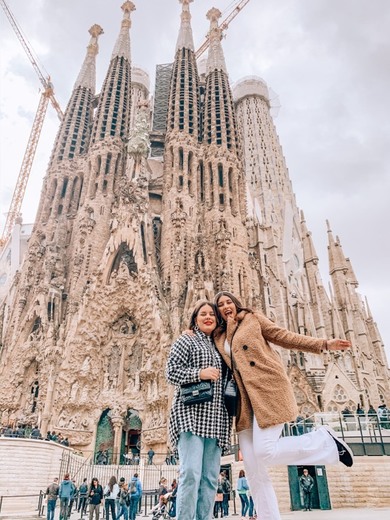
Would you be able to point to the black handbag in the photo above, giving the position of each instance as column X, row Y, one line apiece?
column 231, row 396
column 196, row 393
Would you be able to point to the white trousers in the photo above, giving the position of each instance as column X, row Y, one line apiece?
column 262, row 447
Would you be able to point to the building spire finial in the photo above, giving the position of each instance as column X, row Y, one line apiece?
column 87, row 75
column 216, row 59
column 185, row 39
column 122, row 45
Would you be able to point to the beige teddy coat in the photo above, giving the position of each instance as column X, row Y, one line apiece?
column 265, row 389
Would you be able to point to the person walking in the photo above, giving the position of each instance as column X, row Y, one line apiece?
column 95, row 496
column 83, row 495
column 65, row 493
column 267, row 398
column 218, row 504
column 226, row 489
column 135, row 491
column 52, row 495
column 242, row 490
column 199, row 433
column 306, row 483
column 150, row 456
column 124, row 499
column 111, row 491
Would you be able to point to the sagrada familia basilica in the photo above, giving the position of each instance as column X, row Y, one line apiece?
column 146, row 207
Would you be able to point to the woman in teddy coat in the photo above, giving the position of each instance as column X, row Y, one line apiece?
column 267, row 399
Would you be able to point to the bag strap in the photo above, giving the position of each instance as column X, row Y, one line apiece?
column 231, row 349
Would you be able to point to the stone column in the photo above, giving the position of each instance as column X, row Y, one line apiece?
column 117, row 422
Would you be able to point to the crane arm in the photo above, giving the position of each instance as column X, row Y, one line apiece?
column 223, row 25
column 46, row 83
column 24, row 173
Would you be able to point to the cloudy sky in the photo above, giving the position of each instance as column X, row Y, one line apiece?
column 327, row 60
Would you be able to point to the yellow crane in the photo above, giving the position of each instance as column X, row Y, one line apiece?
column 46, row 96
column 223, row 25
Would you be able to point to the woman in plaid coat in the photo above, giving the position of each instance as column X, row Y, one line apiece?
column 267, row 399
column 199, row 433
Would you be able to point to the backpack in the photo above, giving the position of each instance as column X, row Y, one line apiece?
column 133, row 487
column 226, row 486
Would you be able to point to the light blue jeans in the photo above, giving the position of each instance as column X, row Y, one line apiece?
column 200, row 459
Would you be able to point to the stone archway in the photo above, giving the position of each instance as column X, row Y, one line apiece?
column 131, row 437
column 104, row 445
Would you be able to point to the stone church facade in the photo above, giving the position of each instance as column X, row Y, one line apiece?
column 125, row 243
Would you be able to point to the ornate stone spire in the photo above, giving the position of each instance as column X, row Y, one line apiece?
column 337, row 261
column 74, row 134
column 185, row 39
column 87, row 75
column 113, row 111
column 216, row 59
column 122, row 45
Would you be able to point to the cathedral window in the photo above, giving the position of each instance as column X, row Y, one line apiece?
column 190, row 162
column 143, row 242
column 181, row 158
column 125, row 256
column 108, row 164
column 117, row 163
column 34, row 396
column 221, row 199
column 99, row 165
column 104, row 186
column 220, row 174
column 50, row 310
column 64, row 186
column 201, row 181
column 60, row 208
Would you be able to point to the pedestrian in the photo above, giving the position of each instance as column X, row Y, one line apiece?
column 218, row 503
column 135, row 491
column 252, row 511
column 83, row 495
column 200, row 433
column 73, row 497
column 226, row 489
column 267, row 398
column 124, row 499
column 65, row 493
column 95, row 496
column 52, row 495
column 242, row 490
column 110, row 494
column 150, row 456
column 172, row 509
column 306, row 482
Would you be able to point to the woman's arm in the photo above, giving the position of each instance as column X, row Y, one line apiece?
column 287, row 339
column 178, row 370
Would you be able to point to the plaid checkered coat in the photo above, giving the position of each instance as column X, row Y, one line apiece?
column 188, row 355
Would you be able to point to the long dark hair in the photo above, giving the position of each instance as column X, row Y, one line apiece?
column 112, row 483
column 237, row 303
column 196, row 311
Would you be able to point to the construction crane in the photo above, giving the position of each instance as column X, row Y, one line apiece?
column 223, row 25
column 46, row 96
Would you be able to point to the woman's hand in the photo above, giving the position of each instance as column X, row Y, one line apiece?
column 209, row 373
column 338, row 344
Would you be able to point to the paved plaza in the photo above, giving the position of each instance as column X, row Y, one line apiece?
column 333, row 514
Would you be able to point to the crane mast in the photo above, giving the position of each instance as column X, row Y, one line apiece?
column 46, row 96
column 223, row 25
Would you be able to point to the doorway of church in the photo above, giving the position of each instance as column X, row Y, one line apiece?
column 320, row 498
